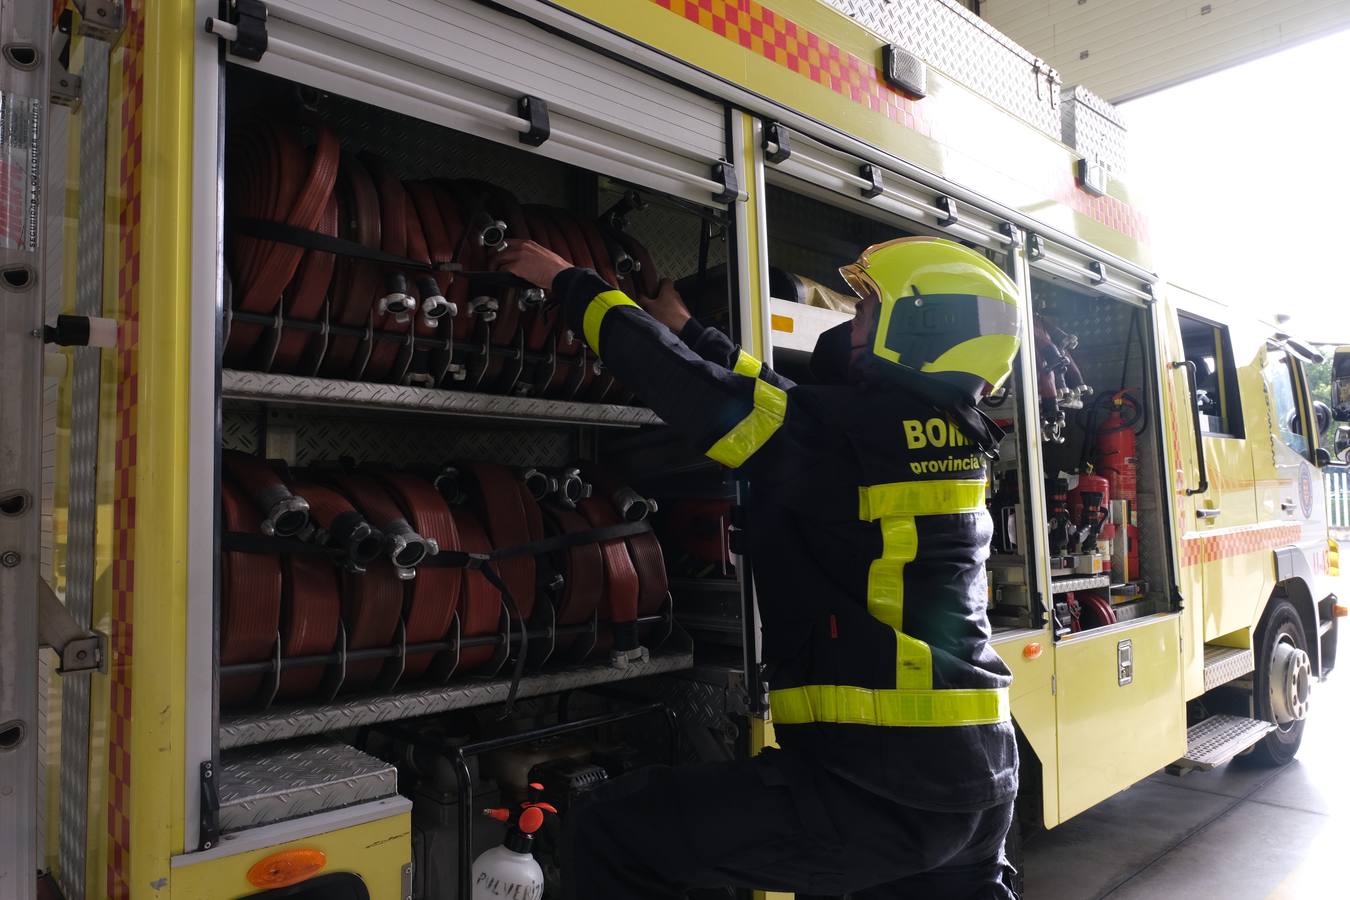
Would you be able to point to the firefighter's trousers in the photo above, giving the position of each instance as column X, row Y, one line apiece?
column 775, row 822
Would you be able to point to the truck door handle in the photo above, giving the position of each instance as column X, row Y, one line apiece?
column 1287, row 505
column 1208, row 514
column 1189, row 366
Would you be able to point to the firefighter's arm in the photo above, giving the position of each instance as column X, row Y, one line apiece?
column 711, row 344
column 729, row 415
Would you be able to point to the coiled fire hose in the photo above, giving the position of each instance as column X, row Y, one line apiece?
column 270, row 180
column 433, row 596
column 250, row 606
column 283, row 513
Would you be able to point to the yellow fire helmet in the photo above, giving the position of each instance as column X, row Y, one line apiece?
column 947, row 313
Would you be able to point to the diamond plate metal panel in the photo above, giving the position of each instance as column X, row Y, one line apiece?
column 953, row 39
column 296, row 390
column 262, row 785
column 283, row 724
column 1223, row 664
column 83, row 498
column 1065, row 585
column 1094, row 128
column 1218, row 739
column 325, row 437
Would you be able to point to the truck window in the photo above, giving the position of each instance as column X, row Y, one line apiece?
column 1280, row 382
column 1208, row 345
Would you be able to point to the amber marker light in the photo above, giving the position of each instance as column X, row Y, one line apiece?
column 287, row 867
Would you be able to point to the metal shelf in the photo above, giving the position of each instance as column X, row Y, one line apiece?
column 282, row 723
column 295, row 390
column 1082, row 583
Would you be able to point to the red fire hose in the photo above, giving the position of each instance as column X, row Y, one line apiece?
column 310, row 606
column 283, row 513
column 433, row 595
column 501, row 504
column 371, row 604
column 480, row 612
column 250, row 600
column 356, row 282
column 269, row 181
column 306, row 293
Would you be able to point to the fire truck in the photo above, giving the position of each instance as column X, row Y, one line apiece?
column 332, row 537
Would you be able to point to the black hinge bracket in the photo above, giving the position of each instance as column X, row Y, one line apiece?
column 245, row 28
column 781, row 138
column 1035, row 246
column 949, row 215
column 534, row 111
column 1098, row 272
column 869, row 172
column 724, row 173
column 1009, row 231
column 209, row 826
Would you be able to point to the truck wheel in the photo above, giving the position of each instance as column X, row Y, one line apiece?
column 1281, row 684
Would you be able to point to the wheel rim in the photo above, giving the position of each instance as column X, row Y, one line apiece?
column 1290, row 682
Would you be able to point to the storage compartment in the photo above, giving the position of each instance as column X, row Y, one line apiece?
column 1106, row 508
column 448, row 538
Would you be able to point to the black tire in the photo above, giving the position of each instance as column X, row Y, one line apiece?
column 1282, row 625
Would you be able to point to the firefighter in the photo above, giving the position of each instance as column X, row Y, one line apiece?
column 867, row 521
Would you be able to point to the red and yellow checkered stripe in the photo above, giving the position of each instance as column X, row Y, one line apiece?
column 128, row 212
column 1199, row 549
column 786, row 43
column 781, row 40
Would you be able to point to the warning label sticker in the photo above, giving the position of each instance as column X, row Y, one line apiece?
column 20, row 171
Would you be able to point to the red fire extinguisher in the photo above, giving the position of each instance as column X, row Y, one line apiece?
column 1117, row 460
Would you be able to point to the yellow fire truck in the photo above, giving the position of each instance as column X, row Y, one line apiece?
column 250, row 346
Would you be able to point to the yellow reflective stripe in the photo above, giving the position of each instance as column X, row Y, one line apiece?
column 896, row 505
column 595, row 313
column 921, row 498
column 886, row 600
column 752, row 432
column 847, row 705
column 747, row 365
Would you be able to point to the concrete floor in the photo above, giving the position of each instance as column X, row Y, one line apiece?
column 1235, row 833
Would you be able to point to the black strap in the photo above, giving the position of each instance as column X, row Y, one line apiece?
column 540, row 547
column 518, row 670
column 251, row 542
column 282, row 233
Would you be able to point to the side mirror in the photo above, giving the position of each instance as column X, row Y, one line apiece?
column 1340, row 384
column 1341, row 443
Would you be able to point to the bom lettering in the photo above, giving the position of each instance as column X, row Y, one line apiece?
column 933, row 433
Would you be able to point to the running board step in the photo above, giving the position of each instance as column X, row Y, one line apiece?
column 1223, row 664
column 1216, row 740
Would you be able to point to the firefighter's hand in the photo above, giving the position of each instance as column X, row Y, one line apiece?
column 666, row 307
column 526, row 259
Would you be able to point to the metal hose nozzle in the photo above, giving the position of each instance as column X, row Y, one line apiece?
column 287, row 517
